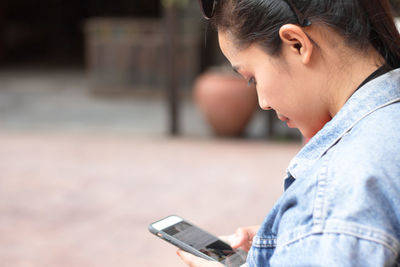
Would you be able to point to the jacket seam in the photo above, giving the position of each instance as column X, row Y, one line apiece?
column 319, row 210
column 385, row 239
column 265, row 242
column 393, row 101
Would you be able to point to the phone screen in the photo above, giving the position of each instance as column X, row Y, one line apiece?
column 203, row 242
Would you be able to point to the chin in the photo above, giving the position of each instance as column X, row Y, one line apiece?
column 308, row 133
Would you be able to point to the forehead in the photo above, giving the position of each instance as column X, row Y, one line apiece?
column 239, row 57
column 227, row 44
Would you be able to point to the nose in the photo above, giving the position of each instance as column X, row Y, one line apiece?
column 264, row 104
column 264, row 107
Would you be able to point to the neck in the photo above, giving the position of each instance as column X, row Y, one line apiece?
column 350, row 75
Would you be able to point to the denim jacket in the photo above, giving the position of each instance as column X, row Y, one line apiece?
column 344, row 207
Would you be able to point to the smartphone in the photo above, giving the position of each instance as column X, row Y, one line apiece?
column 192, row 239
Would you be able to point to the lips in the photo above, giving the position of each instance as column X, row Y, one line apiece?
column 286, row 119
column 282, row 118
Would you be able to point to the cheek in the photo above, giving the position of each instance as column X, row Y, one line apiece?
column 301, row 114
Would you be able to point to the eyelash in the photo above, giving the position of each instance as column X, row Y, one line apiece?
column 251, row 81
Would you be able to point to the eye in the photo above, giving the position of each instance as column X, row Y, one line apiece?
column 252, row 81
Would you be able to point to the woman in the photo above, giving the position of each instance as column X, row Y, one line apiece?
column 331, row 69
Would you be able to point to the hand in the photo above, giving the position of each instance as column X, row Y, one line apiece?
column 194, row 261
column 243, row 238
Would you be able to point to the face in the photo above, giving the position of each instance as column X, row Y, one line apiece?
column 283, row 84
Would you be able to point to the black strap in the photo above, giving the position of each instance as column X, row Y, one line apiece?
column 380, row 71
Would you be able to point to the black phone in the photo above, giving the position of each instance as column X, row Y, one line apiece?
column 192, row 239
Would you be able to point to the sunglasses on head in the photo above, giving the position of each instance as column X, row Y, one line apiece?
column 208, row 8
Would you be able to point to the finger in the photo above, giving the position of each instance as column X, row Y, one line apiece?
column 190, row 259
column 227, row 238
column 241, row 238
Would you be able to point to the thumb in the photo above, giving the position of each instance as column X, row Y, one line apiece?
column 194, row 261
column 189, row 259
column 241, row 238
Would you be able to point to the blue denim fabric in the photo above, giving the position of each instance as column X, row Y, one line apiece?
column 344, row 207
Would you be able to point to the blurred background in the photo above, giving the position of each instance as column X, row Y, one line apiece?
column 114, row 114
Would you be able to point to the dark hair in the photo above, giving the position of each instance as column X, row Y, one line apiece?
column 360, row 22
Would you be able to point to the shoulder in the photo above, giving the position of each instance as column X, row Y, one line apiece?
column 363, row 175
column 369, row 151
column 375, row 139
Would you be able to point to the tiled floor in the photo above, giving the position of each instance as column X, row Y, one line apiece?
column 81, row 178
column 82, row 200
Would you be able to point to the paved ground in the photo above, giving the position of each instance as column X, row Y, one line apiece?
column 81, row 200
column 79, row 182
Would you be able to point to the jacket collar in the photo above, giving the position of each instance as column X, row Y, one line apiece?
column 374, row 95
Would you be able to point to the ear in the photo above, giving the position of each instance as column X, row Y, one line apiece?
column 297, row 41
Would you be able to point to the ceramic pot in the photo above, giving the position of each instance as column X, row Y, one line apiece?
column 226, row 101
